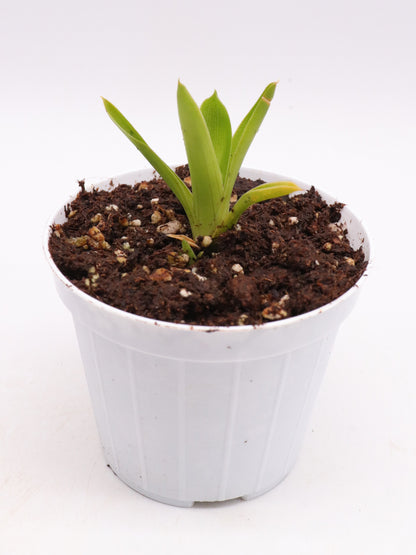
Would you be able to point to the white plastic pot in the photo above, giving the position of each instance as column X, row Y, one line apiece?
column 193, row 413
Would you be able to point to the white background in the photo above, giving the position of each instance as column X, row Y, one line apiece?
column 343, row 118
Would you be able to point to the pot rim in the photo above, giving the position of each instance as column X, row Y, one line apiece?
column 247, row 172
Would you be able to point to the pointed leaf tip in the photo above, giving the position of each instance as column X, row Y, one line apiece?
column 245, row 133
column 219, row 126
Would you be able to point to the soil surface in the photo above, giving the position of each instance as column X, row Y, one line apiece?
column 285, row 257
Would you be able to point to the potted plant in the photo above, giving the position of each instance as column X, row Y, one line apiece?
column 189, row 406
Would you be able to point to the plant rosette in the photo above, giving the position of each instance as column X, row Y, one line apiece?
column 194, row 413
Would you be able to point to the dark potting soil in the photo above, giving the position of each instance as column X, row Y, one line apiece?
column 285, row 257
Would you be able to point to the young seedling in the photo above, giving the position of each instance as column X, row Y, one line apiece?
column 214, row 157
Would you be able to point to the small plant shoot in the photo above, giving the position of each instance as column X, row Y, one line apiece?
column 215, row 156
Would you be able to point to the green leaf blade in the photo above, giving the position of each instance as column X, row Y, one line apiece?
column 206, row 178
column 178, row 187
column 187, row 249
column 263, row 192
column 245, row 133
column 219, row 126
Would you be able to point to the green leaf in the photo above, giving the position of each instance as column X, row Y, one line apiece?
column 207, row 188
column 178, row 187
column 187, row 249
column 245, row 134
column 263, row 192
column 219, row 126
